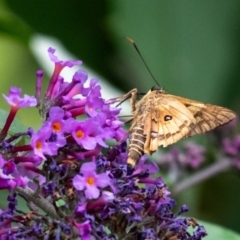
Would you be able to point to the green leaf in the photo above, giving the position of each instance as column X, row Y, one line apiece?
column 60, row 203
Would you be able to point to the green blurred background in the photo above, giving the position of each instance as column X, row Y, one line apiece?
column 191, row 46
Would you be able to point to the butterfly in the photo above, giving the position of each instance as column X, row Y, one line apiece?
column 161, row 119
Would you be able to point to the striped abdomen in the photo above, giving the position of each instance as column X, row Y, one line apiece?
column 136, row 145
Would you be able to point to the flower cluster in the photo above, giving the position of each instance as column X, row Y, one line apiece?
column 75, row 183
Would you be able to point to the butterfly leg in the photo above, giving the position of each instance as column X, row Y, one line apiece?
column 131, row 94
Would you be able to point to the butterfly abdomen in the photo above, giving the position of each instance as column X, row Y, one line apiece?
column 136, row 145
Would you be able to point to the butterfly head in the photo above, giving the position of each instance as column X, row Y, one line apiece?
column 158, row 89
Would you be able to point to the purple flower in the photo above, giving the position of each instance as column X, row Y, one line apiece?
column 90, row 181
column 101, row 202
column 94, row 102
column 192, row 155
column 9, row 182
column 55, row 80
column 9, row 167
column 88, row 133
column 40, row 144
column 55, row 59
column 199, row 233
column 79, row 79
column 30, row 171
column 56, row 115
column 150, row 167
column 84, row 230
column 16, row 101
column 148, row 233
column 232, row 147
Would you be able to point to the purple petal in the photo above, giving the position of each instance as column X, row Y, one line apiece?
column 92, row 192
column 79, row 182
column 88, row 167
column 102, row 180
column 89, row 143
column 56, row 113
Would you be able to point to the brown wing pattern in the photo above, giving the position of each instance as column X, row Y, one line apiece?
column 207, row 116
column 173, row 118
column 210, row 117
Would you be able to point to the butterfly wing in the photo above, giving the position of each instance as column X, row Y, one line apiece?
column 172, row 118
column 207, row 116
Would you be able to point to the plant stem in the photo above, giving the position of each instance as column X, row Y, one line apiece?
column 220, row 166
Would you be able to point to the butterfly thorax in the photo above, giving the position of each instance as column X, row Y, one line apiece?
column 145, row 106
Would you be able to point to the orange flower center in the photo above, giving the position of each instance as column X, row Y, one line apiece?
column 38, row 145
column 56, row 127
column 79, row 134
column 90, row 180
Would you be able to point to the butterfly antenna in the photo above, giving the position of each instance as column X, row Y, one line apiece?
column 139, row 53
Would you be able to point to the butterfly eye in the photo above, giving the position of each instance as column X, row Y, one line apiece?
column 167, row 118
